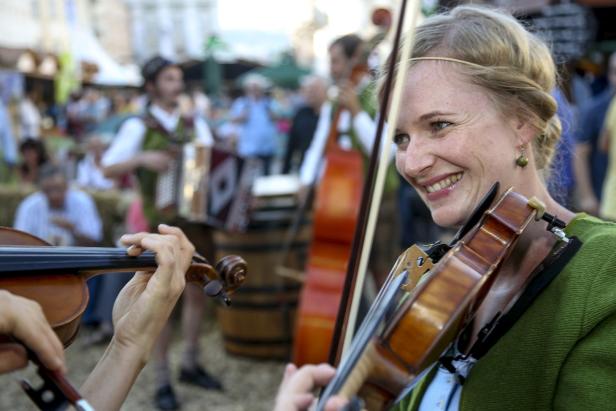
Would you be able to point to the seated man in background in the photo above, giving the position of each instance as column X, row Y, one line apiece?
column 58, row 214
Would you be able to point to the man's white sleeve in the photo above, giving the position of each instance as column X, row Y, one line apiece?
column 126, row 144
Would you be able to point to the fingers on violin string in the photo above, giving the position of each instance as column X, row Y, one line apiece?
column 169, row 273
column 166, row 248
column 134, row 250
column 176, row 231
column 12, row 357
column 310, row 376
column 134, row 238
column 322, row 374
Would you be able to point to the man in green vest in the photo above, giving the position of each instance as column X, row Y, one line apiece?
column 145, row 146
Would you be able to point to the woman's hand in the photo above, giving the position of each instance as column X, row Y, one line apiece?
column 23, row 319
column 295, row 392
column 145, row 303
column 139, row 314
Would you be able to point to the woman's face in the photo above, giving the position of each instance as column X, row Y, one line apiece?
column 452, row 143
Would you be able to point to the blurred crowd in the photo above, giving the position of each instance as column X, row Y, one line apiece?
column 257, row 119
column 53, row 155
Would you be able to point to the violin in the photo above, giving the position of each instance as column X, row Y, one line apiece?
column 405, row 333
column 55, row 277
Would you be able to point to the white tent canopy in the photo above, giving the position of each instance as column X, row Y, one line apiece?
column 261, row 46
column 85, row 47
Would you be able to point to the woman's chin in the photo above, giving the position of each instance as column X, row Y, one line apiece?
column 447, row 218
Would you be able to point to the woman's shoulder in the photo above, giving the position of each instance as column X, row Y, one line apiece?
column 595, row 234
column 593, row 269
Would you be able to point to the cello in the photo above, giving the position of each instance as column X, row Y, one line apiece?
column 55, row 277
column 336, row 212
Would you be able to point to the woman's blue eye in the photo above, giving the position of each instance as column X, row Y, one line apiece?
column 401, row 139
column 439, row 125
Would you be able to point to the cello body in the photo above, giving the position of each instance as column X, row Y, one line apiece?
column 336, row 210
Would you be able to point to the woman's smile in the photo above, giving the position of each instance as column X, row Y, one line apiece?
column 441, row 187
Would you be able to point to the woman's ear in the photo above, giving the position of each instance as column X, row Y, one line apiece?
column 525, row 131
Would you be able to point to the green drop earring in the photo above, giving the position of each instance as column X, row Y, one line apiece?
column 522, row 160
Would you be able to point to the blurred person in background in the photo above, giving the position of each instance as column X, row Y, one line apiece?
column 356, row 129
column 590, row 163
column 203, row 106
column 58, row 214
column 607, row 144
column 90, row 170
column 8, row 149
column 304, row 122
column 145, row 146
column 254, row 113
column 560, row 182
column 29, row 115
column 33, row 157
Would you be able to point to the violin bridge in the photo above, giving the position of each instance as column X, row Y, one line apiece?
column 416, row 262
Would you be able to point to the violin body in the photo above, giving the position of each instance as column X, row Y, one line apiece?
column 336, row 209
column 432, row 316
column 55, row 277
column 63, row 297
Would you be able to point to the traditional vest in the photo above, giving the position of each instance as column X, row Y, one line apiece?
column 158, row 138
column 367, row 101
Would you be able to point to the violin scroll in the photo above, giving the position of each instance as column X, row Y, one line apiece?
column 232, row 270
column 228, row 275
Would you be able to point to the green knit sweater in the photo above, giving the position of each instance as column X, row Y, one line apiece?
column 561, row 354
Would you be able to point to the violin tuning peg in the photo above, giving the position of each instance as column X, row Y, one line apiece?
column 225, row 299
column 214, row 288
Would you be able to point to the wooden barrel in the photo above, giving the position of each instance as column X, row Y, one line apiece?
column 260, row 321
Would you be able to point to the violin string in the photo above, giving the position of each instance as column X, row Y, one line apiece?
column 25, row 251
column 31, row 258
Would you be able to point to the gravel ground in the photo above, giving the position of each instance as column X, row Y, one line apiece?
column 249, row 384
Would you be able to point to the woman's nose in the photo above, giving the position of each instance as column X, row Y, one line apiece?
column 416, row 159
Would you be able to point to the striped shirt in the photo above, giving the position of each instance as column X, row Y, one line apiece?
column 34, row 216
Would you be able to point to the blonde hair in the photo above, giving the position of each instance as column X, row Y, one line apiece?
column 512, row 64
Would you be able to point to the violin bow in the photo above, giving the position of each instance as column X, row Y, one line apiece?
column 56, row 392
column 373, row 189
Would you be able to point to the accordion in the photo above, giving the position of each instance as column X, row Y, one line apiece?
column 210, row 186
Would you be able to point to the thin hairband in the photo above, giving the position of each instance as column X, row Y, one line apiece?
column 468, row 63
column 448, row 59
